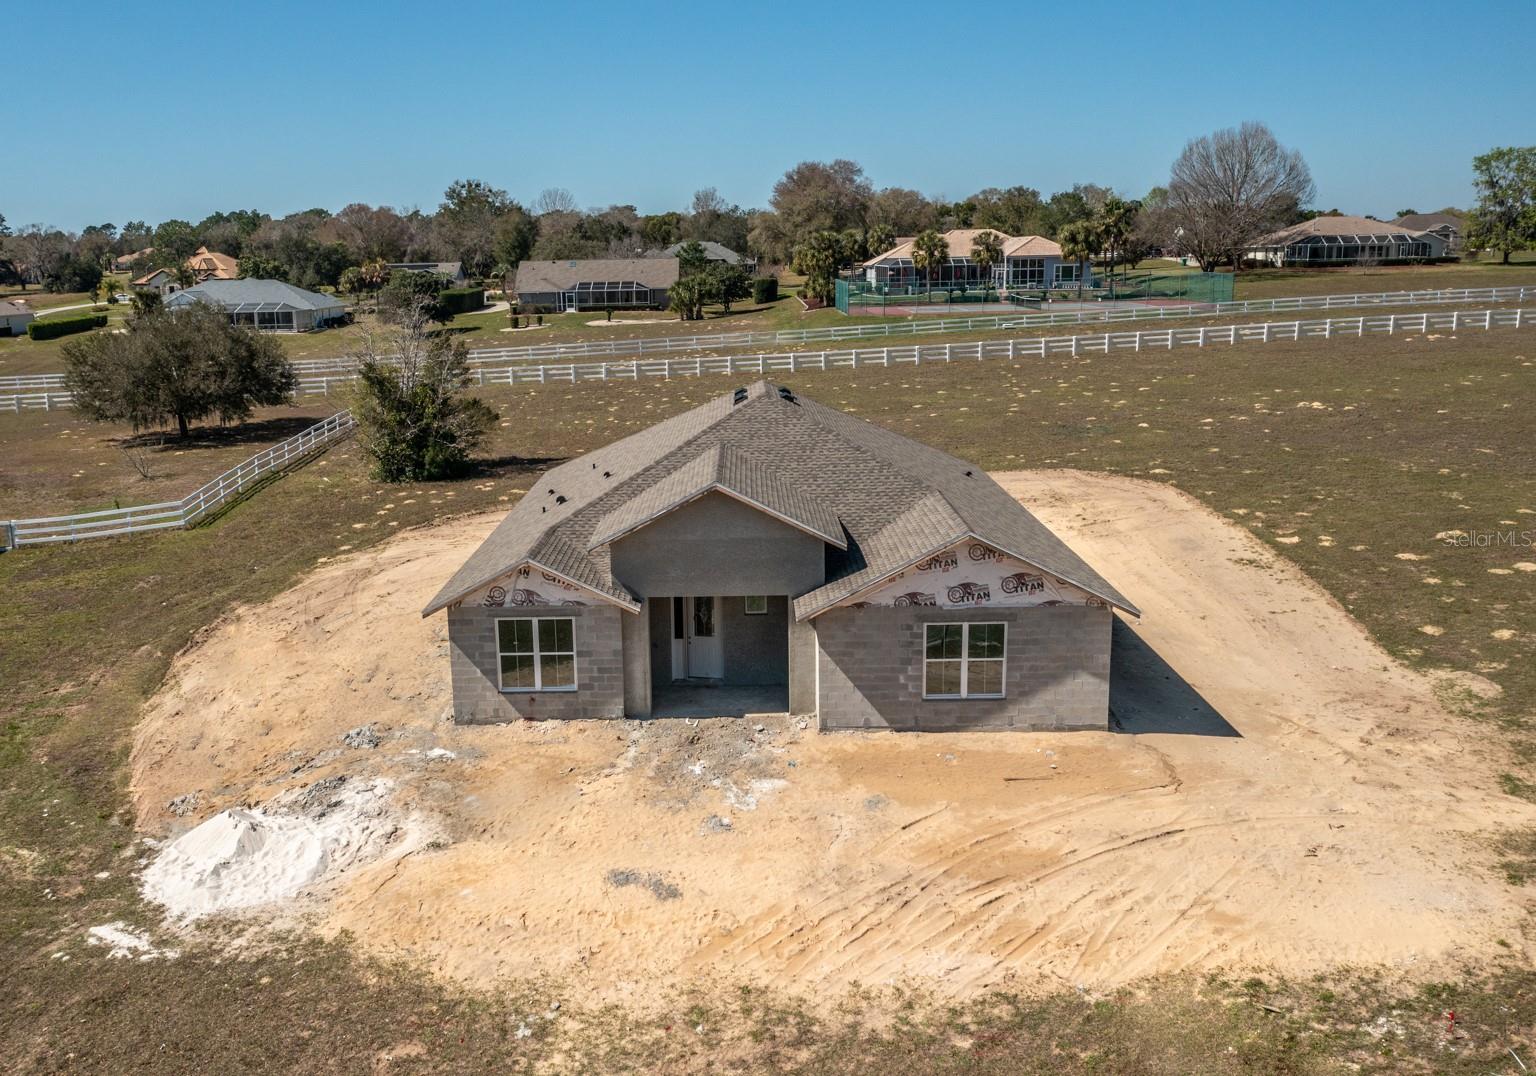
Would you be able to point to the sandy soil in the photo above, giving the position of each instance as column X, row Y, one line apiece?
column 631, row 321
column 1279, row 794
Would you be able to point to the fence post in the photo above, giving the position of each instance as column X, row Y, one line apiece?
column 1455, row 319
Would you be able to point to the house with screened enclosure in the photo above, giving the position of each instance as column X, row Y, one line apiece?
column 763, row 553
column 1023, row 263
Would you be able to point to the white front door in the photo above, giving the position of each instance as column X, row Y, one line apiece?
column 702, row 633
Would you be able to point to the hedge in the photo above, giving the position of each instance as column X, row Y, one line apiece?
column 765, row 289
column 79, row 323
column 461, row 300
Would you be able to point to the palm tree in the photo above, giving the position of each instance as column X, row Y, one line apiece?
column 880, row 238
column 1078, row 241
column 1116, row 221
column 986, row 251
column 929, row 251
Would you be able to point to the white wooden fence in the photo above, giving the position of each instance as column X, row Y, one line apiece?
column 1015, row 348
column 44, row 391
column 191, row 508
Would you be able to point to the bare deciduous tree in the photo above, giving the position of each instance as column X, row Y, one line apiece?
column 554, row 200
column 1231, row 187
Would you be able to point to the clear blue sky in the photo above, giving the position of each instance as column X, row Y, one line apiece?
column 178, row 109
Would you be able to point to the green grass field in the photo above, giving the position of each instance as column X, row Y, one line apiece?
column 1344, row 455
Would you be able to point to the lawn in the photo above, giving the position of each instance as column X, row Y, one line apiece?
column 56, row 462
column 1350, row 457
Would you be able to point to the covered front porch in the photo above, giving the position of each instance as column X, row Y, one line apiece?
column 704, row 698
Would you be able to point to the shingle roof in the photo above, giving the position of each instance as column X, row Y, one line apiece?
column 723, row 469
column 892, row 499
column 961, row 241
column 1426, row 221
column 1331, row 226
column 449, row 269
column 536, row 277
column 717, row 252
column 11, row 310
column 273, row 294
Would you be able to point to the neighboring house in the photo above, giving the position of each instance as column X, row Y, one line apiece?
column 1029, row 263
column 454, row 271
column 127, row 261
column 14, row 318
column 713, row 251
column 1345, row 241
column 161, row 280
column 268, row 305
column 211, row 265
column 765, row 553
column 595, row 283
column 204, row 264
column 1452, row 227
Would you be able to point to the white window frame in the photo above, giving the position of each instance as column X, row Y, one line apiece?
column 965, row 660
column 746, row 605
column 537, row 653
column 1067, row 272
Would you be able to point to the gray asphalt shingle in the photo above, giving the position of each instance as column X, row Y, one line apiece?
column 897, row 499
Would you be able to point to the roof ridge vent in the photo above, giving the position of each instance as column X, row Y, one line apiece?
column 786, row 395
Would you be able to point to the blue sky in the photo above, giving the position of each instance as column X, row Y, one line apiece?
column 204, row 106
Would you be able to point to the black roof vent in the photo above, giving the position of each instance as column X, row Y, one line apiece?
column 970, row 474
column 607, row 474
column 740, row 397
column 560, row 499
column 786, row 395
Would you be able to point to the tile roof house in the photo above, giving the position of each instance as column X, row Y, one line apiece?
column 205, row 265
column 266, row 305
column 595, row 283
column 764, row 552
column 123, row 262
column 1342, row 240
column 1029, row 262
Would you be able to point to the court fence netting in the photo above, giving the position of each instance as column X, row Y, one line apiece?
column 855, row 295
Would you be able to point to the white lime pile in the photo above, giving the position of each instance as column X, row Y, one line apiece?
column 246, row 858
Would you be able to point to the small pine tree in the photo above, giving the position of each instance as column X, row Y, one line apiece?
column 415, row 417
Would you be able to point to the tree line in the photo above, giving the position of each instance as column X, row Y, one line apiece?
column 1224, row 190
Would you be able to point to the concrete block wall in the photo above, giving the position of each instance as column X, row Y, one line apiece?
column 599, row 666
column 870, row 670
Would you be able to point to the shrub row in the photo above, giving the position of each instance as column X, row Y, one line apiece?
column 79, row 323
column 461, row 300
column 765, row 289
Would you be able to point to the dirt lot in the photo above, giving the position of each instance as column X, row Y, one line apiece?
column 1279, row 794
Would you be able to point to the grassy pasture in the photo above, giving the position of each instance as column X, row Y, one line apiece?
column 1345, row 455
column 56, row 462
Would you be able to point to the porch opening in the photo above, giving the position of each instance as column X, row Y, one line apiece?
column 719, row 655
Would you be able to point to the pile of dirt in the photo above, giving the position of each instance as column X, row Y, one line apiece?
column 1279, row 794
